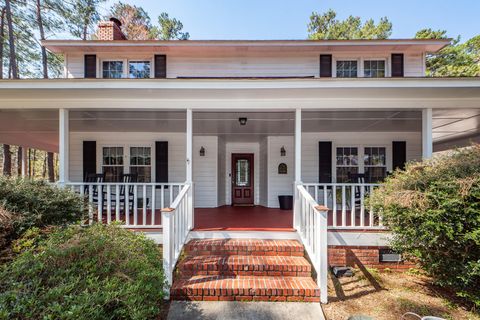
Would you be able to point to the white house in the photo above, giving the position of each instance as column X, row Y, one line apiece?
column 218, row 130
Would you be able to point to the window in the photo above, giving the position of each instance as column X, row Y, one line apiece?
column 375, row 164
column 243, row 173
column 112, row 163
column 347, row 69
column 346, row 163
column 374, row 68
column 141, row 163
column 112, row 69
column 139, row 69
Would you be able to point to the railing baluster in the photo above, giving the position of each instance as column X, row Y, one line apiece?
column 144, row 209
column 117, row 202
column 135, row 205
column 127, row 204
column 352, row 207
column 316, row 193
column 325, row 195
column 362, row 206
column 334, row 205
column 90, row 204
column 344, row 207
column 109, row 204
column 153, row 205
column 162, row 197
column 370, row 189
column 100, row 203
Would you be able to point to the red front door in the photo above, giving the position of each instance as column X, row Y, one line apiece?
column 242, row 178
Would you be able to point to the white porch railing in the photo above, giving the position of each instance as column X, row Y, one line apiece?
column 136, row 205
column 311, row 224
column 177, row 222
column 347, row 203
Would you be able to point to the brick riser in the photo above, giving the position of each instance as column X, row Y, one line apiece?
column 287, row 266
column 244, row 270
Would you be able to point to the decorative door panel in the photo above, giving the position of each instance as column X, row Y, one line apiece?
column 242, row 179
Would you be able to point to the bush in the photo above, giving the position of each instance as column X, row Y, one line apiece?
column 433, row 210
column 37, row 203
column 97, row 272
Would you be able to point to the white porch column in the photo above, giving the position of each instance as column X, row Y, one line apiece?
column 189, row 173
column 24, row 162
column 427, row 134
column 63, row 146
column 298, row 165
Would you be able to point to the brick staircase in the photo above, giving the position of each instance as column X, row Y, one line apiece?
column 244, row 270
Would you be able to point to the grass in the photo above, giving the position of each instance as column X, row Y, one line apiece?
column 388, row 295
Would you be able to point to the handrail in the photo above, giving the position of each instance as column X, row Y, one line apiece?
column 177, row 221
column 311, row 224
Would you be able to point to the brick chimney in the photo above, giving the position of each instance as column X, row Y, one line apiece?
column 110, row 30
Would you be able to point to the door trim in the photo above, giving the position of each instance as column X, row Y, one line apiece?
column 252, row 177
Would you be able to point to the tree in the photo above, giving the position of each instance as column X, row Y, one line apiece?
column 81, row 16
column 2, row 38
column 457, row 60
column 7, row 160
column 326, row 26
column 11, row 41
column 135, row 21
column 170, row 28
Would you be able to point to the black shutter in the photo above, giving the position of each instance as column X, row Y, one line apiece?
column 325, row 65
column 161, row 161
column 160, row 66
column 90, row 64
column 89, row 158
column 399, row 154
column 325, row 161
column 397, row 64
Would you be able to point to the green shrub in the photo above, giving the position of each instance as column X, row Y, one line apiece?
column 38, row 204
column 433, row 210
column 96, row 272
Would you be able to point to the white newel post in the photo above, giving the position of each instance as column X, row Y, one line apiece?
column 427, row 133
column 63, row 146
column 298, row 165
column 167, row 226
column 189, row 173
column 322, row 277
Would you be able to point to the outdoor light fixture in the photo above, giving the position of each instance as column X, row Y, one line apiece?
column 283, row 152
column 243, row 121
column 202, row 152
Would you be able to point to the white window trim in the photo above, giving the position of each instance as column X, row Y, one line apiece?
column 361, row 153
column 126, row 156
column 360, row 61
column 382, row 58
column 125, row 71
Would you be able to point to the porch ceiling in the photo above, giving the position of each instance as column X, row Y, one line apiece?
column 39, row 128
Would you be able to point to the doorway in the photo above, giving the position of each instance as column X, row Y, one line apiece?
column 242, row 179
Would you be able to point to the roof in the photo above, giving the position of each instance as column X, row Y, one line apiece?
column 426, row 45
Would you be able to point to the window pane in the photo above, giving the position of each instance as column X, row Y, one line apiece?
column 112, row 69
column 243, row 173
column 344, row 172
column 113, row 173
column 139, row 69
column 143, row 173
column 374, row 68
column 347, row 69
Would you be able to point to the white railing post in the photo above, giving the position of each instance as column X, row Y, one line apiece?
column 168, row 250
column 298, row 166
column 427, row 133
column 63, row 146
column 322, row 245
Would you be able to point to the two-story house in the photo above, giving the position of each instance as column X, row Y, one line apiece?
column 216, row 131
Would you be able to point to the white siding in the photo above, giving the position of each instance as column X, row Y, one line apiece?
column 264, row 172
column 222, row 172
column 205, row 171
column 280, row 184
column 414, row 65
column 310, row 147
column 243, row 148
column 75, row 65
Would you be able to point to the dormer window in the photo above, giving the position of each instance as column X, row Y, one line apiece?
column 374, row 68
column 112, row 69
column 139, row 69
column 347, row 69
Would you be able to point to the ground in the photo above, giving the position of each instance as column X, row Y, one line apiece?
column 388, row 295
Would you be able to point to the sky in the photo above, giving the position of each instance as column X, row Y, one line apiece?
column 288, row 19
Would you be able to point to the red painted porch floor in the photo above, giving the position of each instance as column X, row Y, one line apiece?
column 231, row 218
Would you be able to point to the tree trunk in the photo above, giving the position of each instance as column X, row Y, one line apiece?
column 34, row 162
column 11, row 40
column 2, row 40
column 29, row 162
column 7, row 160
column 44, row 171
column 51, row 167
column 42, row 37
column 19, row 161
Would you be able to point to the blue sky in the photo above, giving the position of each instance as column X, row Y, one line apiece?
column 287, row 19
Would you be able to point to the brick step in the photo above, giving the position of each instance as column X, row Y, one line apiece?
column 245, row 266
column 245, row 288
column 244, row 247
